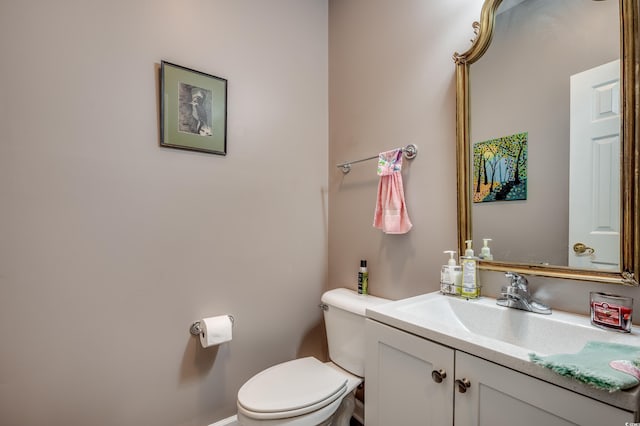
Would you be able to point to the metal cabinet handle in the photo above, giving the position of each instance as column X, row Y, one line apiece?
column 463, row 384
column 438, row 375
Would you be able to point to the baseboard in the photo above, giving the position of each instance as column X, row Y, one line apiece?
column 229, row 421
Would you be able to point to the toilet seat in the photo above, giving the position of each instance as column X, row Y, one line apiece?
column 290, row 389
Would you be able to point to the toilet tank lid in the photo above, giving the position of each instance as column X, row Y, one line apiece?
column 351, row 301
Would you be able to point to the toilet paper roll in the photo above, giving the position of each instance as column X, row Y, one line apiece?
column 215, row 330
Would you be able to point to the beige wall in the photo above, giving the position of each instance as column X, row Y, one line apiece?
column 392, row 82
column 110, row 246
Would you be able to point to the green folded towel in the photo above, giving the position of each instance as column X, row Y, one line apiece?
column 603, row 365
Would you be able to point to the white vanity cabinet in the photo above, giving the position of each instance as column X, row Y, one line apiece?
column 402, row 373
column 399, row 388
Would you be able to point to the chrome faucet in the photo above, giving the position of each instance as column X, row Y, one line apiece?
column 516, row 295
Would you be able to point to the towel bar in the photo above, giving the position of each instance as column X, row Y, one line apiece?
column 410, row 151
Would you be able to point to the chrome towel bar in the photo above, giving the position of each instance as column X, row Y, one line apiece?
column 410, row 151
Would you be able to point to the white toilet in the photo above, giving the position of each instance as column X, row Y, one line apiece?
column 306, row 391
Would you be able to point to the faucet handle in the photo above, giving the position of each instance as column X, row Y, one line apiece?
column 517, row 280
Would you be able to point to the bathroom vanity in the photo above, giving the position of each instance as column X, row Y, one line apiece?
column 438, row 360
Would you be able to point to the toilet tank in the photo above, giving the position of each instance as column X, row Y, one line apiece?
column 344, row 318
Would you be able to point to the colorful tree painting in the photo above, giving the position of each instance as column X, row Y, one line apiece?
column 500, row 169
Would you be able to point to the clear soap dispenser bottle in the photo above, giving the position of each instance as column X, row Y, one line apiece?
column 469, row 251
column 450, row 275
column 485, row 253
column 470, row 287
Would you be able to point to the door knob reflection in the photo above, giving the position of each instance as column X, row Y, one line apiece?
column 582, row 249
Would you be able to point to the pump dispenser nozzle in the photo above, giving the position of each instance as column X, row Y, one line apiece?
column 469, row 251
column 452, row 259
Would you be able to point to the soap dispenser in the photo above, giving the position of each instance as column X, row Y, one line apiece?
column 485, row 253
column 469, row 251
column 450, row 275
column 470, row 287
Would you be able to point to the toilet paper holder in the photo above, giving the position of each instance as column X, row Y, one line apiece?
column 196, row 328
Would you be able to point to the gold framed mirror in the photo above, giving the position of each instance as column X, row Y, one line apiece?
column 628, row 263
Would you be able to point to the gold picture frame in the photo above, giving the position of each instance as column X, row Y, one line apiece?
column 630, row 164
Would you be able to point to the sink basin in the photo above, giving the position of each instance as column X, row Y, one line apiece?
column 483, row 323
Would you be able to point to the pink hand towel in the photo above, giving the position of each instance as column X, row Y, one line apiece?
column 391, row 212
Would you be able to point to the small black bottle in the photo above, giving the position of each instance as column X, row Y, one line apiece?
column 363, row 278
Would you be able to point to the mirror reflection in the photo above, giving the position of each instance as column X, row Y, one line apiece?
column 545, row 120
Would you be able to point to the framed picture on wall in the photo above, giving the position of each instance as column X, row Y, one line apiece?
column 193, row 111
column 500, row 169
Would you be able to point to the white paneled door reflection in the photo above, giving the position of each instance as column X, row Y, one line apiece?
column 594, row 187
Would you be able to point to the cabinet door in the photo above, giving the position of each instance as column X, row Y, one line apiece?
column 498, row 396
column 399, row 385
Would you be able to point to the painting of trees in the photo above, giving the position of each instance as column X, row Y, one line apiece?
column 500, row 169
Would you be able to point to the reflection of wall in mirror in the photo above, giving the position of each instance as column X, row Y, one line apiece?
column 521, row 84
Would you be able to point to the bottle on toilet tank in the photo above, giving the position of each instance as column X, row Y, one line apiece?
column 363, row 278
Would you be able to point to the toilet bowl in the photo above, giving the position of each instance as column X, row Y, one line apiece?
column 309, row 392
column 304, row 391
